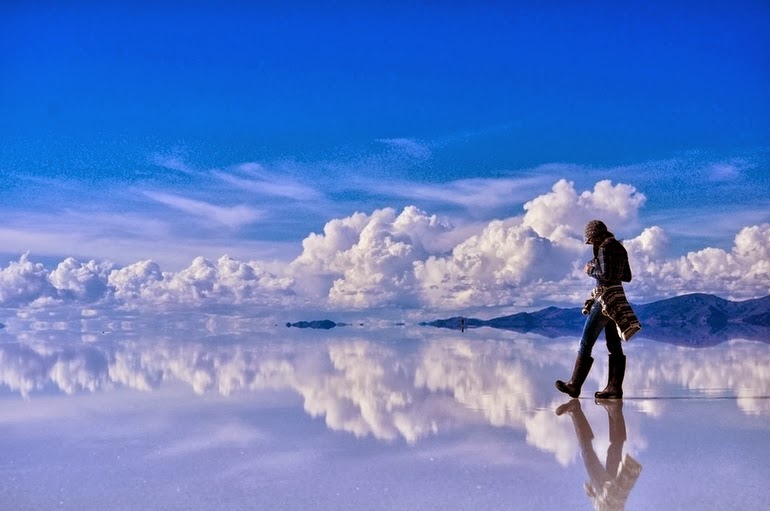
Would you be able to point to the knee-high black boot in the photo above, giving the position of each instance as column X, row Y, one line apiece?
column 614, row 388
column 579, row 375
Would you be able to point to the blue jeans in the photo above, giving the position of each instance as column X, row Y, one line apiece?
column 595, row 323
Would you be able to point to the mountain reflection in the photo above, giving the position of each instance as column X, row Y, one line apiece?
column 388, row 390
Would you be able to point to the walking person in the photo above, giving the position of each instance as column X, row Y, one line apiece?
column 607, row 310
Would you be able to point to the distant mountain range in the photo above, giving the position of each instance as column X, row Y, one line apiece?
column 694, row 319
column 688, row 320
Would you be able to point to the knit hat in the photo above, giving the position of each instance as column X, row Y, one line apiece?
column 594, row 229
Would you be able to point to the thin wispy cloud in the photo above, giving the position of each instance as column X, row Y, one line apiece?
column 172, row 162
column 106, row 236
column 250, row 177
column 46, row 182
column 353, row 169
column 696, row 169
column 408, row 146
column 709, row 224
column 233, row 217
column 476, row 194
column 262, row 183
column 726, row 171
column 108, row 222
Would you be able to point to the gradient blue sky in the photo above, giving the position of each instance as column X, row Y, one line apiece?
column 243, row 129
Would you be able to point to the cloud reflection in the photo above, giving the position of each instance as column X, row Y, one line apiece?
column 387, row 391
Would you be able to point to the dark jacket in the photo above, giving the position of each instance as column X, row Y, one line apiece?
column 610, row 268
column 610, row 263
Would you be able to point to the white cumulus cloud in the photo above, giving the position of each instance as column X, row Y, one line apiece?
column 226, row 281
column 369, row 259
column 561, row 214
column 742, row 272
column 411, row 258
column 82, row 281
column 23, row 281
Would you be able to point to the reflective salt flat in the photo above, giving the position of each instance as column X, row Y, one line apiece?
column 374, row 418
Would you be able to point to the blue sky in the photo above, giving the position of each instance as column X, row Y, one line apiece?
column 166, row 131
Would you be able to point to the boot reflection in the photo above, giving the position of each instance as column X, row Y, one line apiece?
column 610, row 484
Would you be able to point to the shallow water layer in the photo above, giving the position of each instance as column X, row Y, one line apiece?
column 401, row 417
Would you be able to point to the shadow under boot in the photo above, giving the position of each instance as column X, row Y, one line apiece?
column 614, row 388
column 579, row 375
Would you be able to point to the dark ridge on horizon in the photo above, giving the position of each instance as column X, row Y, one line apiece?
column 697, row 319
column 322, row 324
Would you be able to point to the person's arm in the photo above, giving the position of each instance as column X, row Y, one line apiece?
column 608, row 266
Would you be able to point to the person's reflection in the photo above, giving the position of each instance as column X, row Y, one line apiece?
column 610, row 484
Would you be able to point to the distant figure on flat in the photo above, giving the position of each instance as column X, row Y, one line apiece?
column 607, row 309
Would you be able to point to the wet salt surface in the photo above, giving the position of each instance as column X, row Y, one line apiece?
column 392, row 418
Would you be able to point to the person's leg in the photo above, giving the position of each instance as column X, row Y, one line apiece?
column 611, row 334
column 617, row 362
column 595, row 323
column 593, row 326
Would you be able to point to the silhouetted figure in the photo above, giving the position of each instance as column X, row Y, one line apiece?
column 609, row 485
column 606, row 310
column 462, row 324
